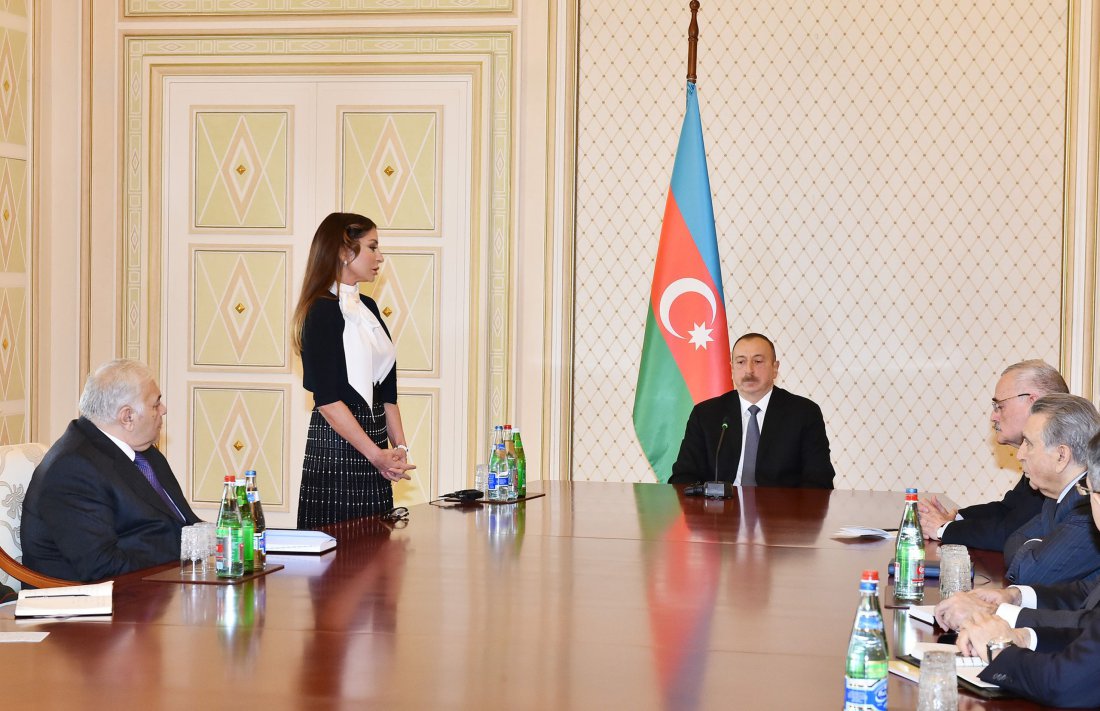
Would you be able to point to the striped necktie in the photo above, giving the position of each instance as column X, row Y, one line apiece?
column 150, row 476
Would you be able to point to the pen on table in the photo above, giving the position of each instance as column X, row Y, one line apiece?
column 50, row 597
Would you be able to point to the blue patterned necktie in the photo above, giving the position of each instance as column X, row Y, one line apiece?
column 752, row 444
column 150, row 476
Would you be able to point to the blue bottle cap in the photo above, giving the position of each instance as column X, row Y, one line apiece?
column 910, row 491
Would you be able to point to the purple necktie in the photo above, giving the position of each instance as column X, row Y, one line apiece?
column 147, row 470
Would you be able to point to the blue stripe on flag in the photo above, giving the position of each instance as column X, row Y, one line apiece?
column 691, row 188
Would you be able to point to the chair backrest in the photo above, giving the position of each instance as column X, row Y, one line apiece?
column 17, row 463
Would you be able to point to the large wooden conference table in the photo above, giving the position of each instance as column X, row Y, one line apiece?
column 597, row 595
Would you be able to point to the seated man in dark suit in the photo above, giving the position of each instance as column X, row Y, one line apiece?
column 988, row 525
column 756, row 434
column 1053, row 666
column 1060, row 543
column 104, row 501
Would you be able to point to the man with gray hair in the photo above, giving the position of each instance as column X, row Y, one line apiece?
column 1060, row 543
column 1053, row 665
column 988, row 525
column 104, row 500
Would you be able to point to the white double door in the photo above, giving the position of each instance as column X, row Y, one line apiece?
column 250, row 166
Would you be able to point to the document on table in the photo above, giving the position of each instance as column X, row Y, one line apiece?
column 864, row 532
column 72, row 601
column 280, row 540
column 923, row 613
column 966, row 668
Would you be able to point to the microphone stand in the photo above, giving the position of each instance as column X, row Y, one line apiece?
column 719, row 489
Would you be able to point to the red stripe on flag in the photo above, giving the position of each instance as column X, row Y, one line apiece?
column 688, row 311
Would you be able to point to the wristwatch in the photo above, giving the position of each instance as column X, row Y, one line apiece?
column 996, row 646
column 404, row 447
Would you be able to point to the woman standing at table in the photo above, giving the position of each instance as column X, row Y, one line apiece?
column 350, row 365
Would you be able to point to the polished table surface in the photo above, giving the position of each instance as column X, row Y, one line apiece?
column 597, row 595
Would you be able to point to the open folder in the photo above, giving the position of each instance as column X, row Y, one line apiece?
column 71, row 601
column 283, row 540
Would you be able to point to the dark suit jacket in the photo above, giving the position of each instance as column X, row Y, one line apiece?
column 1064, row 677
column 1067, row 546
column 989, row 525
column 90, row 514
column 1065, row 605
column 794, row 449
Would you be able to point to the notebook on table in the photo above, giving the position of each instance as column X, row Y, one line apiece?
column 71, row 601
column 289, row 540
column 966, row 668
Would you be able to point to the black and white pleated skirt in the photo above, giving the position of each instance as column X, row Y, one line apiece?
column 338, row 482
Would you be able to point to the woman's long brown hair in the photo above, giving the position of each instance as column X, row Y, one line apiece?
column 338, row 231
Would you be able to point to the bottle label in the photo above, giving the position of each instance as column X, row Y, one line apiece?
column 869, row 620
column 866, row 694
column 492, row 480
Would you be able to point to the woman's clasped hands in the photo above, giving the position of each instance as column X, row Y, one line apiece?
column 393, row 464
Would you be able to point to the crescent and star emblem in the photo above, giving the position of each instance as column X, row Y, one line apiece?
column 700, row 334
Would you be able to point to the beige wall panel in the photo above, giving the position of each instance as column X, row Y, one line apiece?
column 241, row 169
column 234, row 429
column 137, row 8
column 408, row 297
column 13, row 429
column 419, row 415
column 14, row 233
column 888, row 203
column 390, row 167
column 239, row 308
column 14, row 344
column 14, row 86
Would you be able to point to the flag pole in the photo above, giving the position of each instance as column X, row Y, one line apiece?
column 693, row 40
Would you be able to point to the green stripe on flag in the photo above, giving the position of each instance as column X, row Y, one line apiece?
column 662, row 402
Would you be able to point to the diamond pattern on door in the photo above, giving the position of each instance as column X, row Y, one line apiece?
column 13, row 86
column 406, row 296
column 241, row 169
column 418, row 414
column 13, row 355
column 240, row 308
column 235, row 429
column 13, row 230
column 390, row 168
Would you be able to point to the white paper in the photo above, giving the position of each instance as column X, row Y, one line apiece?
column 67, row 601
column 22, row 636
column 862, row 532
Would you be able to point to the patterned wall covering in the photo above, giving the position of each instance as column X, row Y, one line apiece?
column 237, row 429
column 406, row 295
column 391, row 167
column 15, row 246
column 241, row 311
column 887, row 185
column 241, row 167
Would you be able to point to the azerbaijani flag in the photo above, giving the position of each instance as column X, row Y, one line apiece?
column 686, row 353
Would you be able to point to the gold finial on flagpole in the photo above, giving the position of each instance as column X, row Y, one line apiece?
column 693, row 39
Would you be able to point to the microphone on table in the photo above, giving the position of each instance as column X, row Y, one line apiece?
column 719, row 489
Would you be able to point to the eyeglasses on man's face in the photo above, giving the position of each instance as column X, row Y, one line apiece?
column 1083, row 487
column 999, row 405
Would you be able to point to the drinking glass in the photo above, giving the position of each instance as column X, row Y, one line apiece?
column 191, row 551
column 208, row 543
column 938, row 689
column 954, row 570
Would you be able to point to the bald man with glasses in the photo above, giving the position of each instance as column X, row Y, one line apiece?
column 989, row 525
